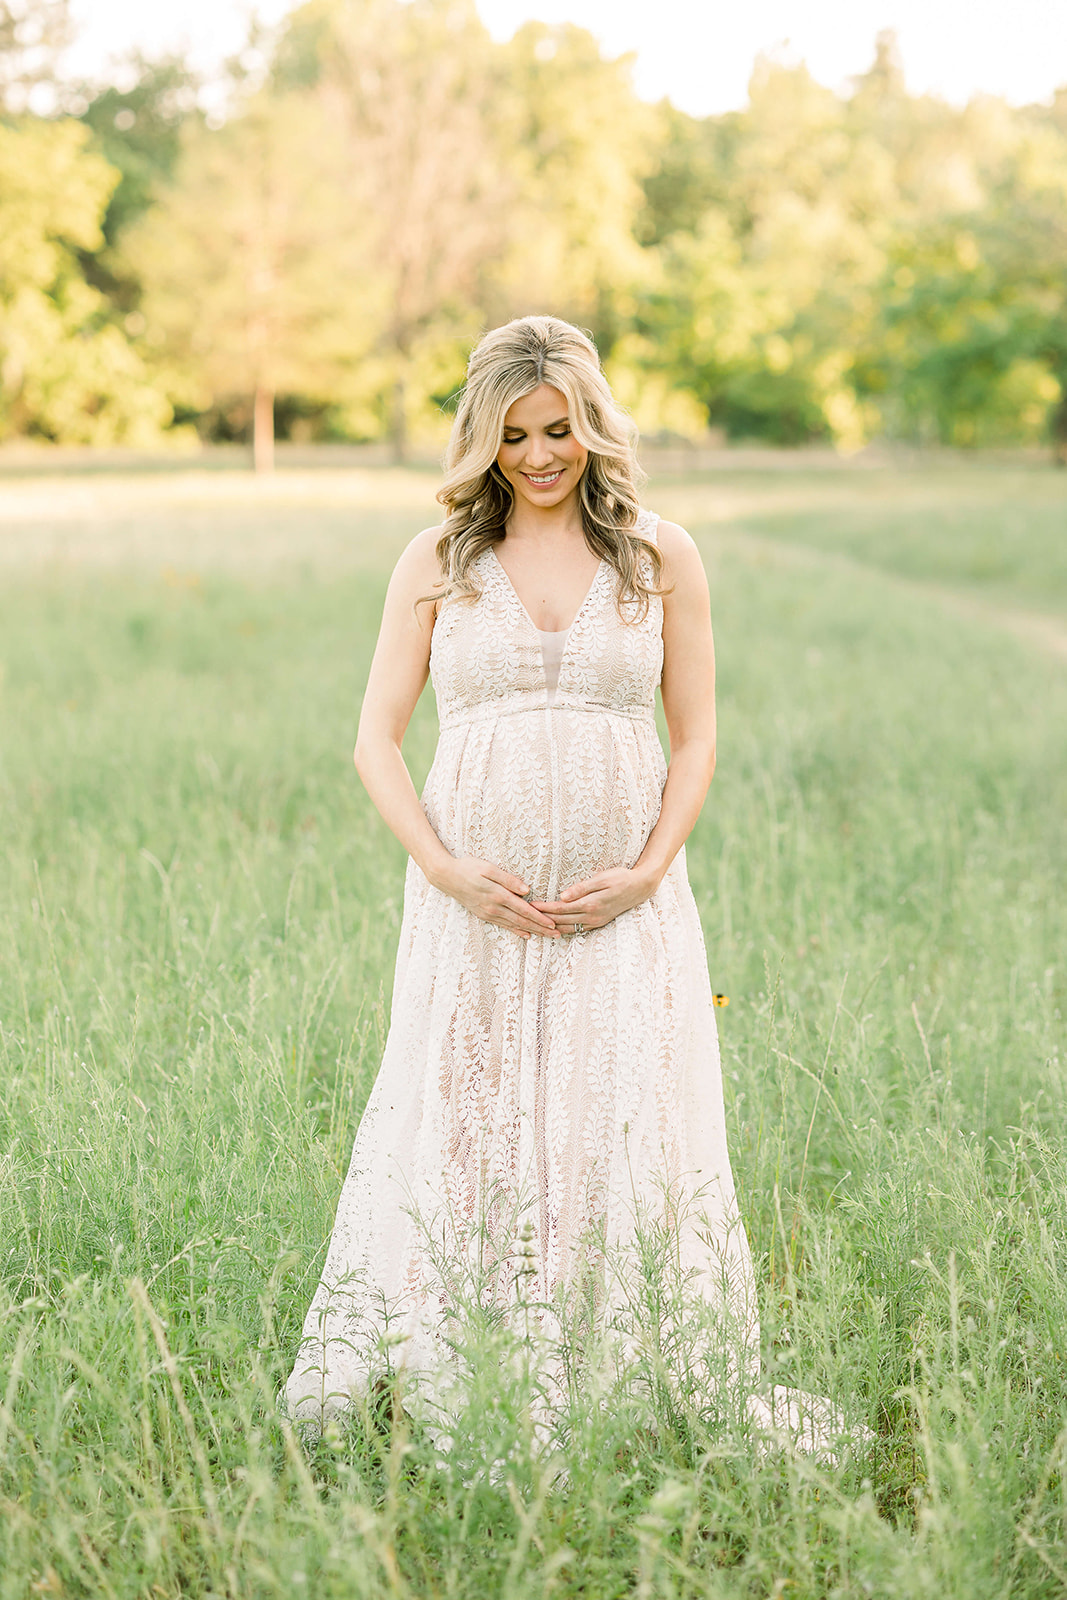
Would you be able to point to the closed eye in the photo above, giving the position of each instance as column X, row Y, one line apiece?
column 555, row 430
column 517, row 438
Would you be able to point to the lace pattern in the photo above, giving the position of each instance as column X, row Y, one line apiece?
column 569, row 1084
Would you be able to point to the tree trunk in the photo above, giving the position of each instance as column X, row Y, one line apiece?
column 1059, row 429
column 398, row 419
column 263, row 429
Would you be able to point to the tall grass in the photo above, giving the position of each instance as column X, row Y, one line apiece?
column 197, row 927
column 987, row 530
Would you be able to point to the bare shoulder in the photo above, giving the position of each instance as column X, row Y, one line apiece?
column 418, row 568
column 682, row 565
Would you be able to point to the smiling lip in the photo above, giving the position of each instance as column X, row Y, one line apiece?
column 543, row 482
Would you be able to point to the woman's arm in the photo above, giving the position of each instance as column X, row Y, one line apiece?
column 688, row 691
column 397, row 677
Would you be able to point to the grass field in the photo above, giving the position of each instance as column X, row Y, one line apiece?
column 198, row 918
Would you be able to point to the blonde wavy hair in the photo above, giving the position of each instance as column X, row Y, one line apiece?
column 507, row 364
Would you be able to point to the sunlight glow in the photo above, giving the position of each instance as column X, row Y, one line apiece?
column 700, row 55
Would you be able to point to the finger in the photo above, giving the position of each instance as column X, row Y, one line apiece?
column 499, row 919
column 575, row 908
column 521, row 921
column 508, row 879
column 524, row 907
column 578, row 891
column 526, row 913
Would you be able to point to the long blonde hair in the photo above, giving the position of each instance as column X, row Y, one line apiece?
column 507, row 364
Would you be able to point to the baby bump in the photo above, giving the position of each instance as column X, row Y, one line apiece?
column 552, row 795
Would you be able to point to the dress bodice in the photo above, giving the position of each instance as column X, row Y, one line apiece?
column 486, row 656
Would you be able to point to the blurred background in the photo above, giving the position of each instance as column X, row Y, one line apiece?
column 294, row 222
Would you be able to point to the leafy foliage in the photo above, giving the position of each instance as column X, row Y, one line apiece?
column 817, row 266
column 66, row 372
column 138, row 129
column 239, row 258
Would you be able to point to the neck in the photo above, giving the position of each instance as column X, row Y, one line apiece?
column 560, row 524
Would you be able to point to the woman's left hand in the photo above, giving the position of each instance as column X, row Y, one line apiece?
column 596, row 901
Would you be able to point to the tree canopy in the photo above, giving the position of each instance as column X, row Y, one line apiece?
column 390, row 180
column 67, row 372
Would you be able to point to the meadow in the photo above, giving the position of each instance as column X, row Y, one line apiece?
column 198, row 920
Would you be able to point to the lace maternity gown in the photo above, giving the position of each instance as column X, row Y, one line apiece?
column 564, row 1083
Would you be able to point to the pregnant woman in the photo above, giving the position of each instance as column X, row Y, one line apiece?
column 551, row 1072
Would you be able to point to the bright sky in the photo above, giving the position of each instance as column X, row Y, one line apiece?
column 698, row 52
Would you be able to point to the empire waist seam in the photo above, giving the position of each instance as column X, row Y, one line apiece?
column 493, row 713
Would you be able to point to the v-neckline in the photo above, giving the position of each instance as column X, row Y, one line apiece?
column 569, row 629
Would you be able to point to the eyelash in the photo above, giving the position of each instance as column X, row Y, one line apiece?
column 564, row 435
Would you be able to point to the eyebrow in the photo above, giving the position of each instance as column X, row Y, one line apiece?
column 513, row 427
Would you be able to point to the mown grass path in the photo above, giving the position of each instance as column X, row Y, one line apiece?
column 1042, row 630
column 197, row 928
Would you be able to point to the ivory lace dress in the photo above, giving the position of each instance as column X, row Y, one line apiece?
column 561, row 1083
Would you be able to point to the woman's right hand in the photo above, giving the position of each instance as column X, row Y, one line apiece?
column 495, row 896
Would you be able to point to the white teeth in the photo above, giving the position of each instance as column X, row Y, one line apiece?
column 549, row 477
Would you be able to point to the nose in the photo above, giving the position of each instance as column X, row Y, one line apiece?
column 539, row 451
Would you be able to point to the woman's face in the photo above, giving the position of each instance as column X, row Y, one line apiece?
column 539, row 455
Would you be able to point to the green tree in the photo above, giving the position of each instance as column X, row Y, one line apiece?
column 699, row 317
column 758, row 305
column 691, row 162
column 66, row 373
column 970, row 342
column 138, row 129
column 1024, row 238
column 407, row 90
column 953, row 361
column 578, row 144
column 246, row 262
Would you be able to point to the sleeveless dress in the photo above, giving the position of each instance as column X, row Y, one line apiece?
column 543, row 1094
